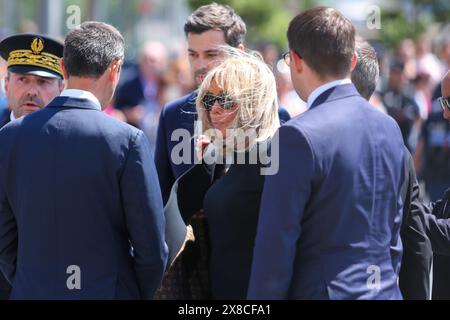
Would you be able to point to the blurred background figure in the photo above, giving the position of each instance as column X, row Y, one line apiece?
column 28, row 26
column 406, row 54
column 178, row 78
column 269, row 52
column 427, row 62
column 287, row 96
column 422, row 93
column 141, row 96
column 400, row 105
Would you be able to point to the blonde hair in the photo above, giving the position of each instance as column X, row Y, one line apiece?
column 250, row 83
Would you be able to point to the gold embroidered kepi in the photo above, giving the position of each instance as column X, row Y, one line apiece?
column 32, row 54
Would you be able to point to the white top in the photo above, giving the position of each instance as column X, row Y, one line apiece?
column 81, row 94
column 319, row 90
column 11, row 116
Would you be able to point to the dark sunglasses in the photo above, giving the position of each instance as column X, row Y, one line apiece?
column 224, row 100
column 445, row 103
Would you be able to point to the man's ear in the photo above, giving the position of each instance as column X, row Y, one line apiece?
column 6, row 84
column 63, row 69
column 62, row 85
column 297, row 62
column 354, row 60
column 115, row 68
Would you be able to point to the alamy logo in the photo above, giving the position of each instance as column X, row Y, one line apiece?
column 374, row 280
column 182, row 152
column 74, row 280
column 74, row 18
column 373, row 17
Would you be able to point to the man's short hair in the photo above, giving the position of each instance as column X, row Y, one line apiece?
column 217, row 17
column 366, row 72
column 324, row 39
column 90, row 48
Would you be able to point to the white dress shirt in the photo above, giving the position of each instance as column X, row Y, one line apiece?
column 81, row 94
column 319, row 90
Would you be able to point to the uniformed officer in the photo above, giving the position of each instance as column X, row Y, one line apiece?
column 34, row 75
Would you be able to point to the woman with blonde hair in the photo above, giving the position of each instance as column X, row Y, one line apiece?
column 238, row 98
column 238, row 115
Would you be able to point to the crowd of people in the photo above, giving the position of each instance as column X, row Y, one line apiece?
column 223, row 173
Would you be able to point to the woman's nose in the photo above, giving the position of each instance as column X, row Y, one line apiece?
column 216, row 107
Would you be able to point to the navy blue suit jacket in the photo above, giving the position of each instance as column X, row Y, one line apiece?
column 180, row 114
column 330, row 218
column 5, row 118
column 78, row 188
column 5, row 287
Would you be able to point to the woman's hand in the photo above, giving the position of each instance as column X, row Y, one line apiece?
column 201, row 142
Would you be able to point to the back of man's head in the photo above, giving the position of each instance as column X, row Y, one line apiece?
column 217, row 17
column 90, row 49
column 324, row 39
column 366, row 72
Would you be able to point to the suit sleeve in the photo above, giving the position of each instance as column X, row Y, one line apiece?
column 162, row 160
column 144, row 216
column 438, row 230
column 437, row 226
column 279, row 227
column 8, row 236
column 8, row 239
column 417, row 253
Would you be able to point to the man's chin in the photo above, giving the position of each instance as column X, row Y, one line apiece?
column 199, row 80
column 27, row 110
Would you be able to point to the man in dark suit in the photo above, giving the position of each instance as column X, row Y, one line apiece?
column 438, row 224
column 207, row 29
column 79, row 190
column 329, row 224
column 414, row 278
column 33, row 79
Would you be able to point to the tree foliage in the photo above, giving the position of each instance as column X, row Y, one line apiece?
column 266, row 20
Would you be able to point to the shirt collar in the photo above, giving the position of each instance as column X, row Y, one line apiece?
column 321, row 89
column 81, row 94
column 11, row 116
